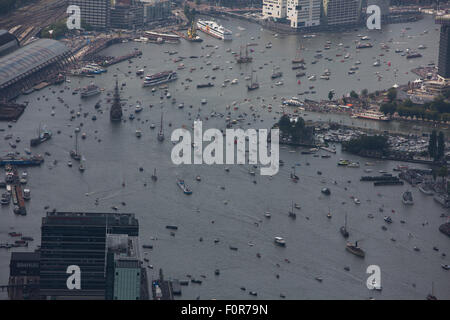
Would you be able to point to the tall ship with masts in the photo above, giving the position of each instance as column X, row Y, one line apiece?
column 297, row 58
column 253, row 83
column 161, row 130
column 116, row 107
column 244, row 58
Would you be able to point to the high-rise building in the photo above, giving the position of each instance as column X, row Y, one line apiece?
column 155, row 10
column 127, row 14
column 304, row 13
column 444, row 46
column 341, row 12
column 78, row 238
column 24, row 276
column 124, row 267
column 95, row 13
column 274, row 8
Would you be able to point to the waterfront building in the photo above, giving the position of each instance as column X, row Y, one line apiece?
column 276, row 9
column 79, row 238
column 304, row 13
column 384, row 8
column 127, row 14
column 341, row 12
column 24, row 272
column 124, row 268
column 26, row 66
column 95, row 13
column 156, row 10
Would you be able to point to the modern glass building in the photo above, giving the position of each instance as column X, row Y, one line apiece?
column 78, row 238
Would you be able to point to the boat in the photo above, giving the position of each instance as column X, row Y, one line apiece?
column 343, row 163
column 343, row 229
column 377, row 63
column 115, row 113
column 407, row 198
column 82, row 166
column 292, row 214
column 21, row 161
column 205, row 85
column 413, row 55
column 161, row 131
column 214, row 29
column 326, row 191
column 253, row 84
column 140, row 72
column 244, row 58
column 276, row 75
column 353, row 248
column 184, row 187
column 75, row 154
column 294, row 177
column 280, row 241
column 356, row 201
column 445, row 266
column 26, row 194
column 90, row 90
column 387, row 219
column 363, row 45
column 192, row 33
column 372, row 115
column 159, row 78
column 154, row 177
column 138, row 133
column 138, row 108
column 161, row 37
column 43, row 135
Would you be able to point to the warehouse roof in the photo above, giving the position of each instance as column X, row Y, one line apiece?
column 6, row 37
column 29, row 58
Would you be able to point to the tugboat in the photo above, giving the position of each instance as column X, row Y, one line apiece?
column 343, row 229
column 407, row 198
column 353, row 248
column 116, row 108
column 184, row 187
column 43, row 135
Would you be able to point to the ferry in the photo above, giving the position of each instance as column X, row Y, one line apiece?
column 155, row 36
column 214, row 29
column 22, row 161
column 159, row 78
column 371, row 115
column 90, row 90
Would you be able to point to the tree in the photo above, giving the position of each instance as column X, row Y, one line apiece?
column 440, row 146
column 353, row 94
column 364, row 92
column 330, row 95
column 284, row 124
column 432, row 145
column 388, row 108
column 392, row 94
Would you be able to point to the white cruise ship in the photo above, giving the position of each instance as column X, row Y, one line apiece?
column 215, row 30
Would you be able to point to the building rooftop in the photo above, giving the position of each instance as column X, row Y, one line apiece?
column 34, row 56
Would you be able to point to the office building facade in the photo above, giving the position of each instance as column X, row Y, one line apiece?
column 78, row 238
column 274, row 9
column 341, row 12
column 95, row 13
column 156, row 10
column 304, row 13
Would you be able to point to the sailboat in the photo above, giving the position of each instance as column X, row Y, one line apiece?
column 154, row 177
column 343, row 229
column 161, row 132
column 292, row 214
column 297, row 59
column 294, row 177
column 82, row 167
column 75, row 153
column 253, row 84
column 431, row 295
column 244, row 59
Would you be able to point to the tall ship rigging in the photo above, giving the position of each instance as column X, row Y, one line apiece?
column 161, row 131
column 116, row 107
column 244, row 58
